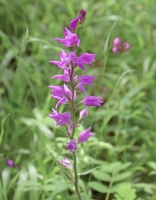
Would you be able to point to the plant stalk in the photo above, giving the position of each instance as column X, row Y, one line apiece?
column 76, row 178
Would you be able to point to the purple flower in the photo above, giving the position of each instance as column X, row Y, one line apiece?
column 62, row 94
column 10, row 163
column 65, row 60
column 92, row 101
column 85, row 80
column 85, row 58
column 126, row 46
column 65, row 163
column 63, row 77
column 71, row 59
column 72, row 146
column 70, row 40
column 78, row 20
column 119, row 46
column 84, row 113
column 57, row 91
column 60, row 118
column 84, row 135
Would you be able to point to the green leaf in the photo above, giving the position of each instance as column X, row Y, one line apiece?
column 115, row 167
column 122, row 176
column 111, row 167
column 2, row 131
column 125, row 191
column 87, row 172
column 101, row 176
column 33, row 177
column 67, row 176
column 146, row 187
column 99, row 187
column 152, row 164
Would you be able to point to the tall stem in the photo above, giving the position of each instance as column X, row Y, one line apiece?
column 73, row 132
column 76, row 178
column 72, row 101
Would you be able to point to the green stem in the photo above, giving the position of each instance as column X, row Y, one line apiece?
column 73, row 132
column 72, row 101
column 76, row 178
column 110, row 187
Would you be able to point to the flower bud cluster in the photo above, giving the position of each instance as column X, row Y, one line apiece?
column 119, row 46
column 67, row 94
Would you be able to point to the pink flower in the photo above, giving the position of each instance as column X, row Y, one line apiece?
column 85, row 80
column 10, row 163
column 84, row 135
column 78, row 20
column 119, row 46
column 60, row 118
column 84, row 113
column 85, row 58
column 62, row 94
column 63, row 77
column 71, row 59
column 92, row 101
column 70, row 40
column 72, row 146
column 65, row 163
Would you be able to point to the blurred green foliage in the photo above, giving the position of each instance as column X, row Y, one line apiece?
column 125, row 126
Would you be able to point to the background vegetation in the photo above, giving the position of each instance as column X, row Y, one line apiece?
column 125, row 126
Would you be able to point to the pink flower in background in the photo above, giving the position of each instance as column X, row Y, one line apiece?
column 126, row 46
column 119, row 46
column 70, row 40
column 10, row 163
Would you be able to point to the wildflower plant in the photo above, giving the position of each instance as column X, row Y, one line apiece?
column 68, row 93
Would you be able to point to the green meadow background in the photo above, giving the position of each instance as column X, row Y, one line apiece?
column 124, row 146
